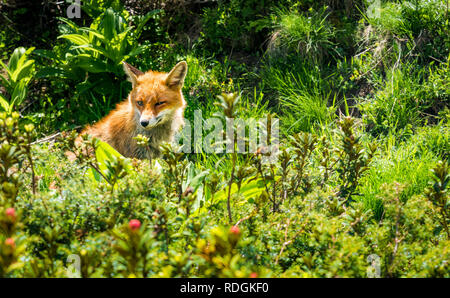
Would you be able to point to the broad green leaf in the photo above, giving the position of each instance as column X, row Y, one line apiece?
column 22, row 59
column 105, row 152
column 5, row 82
column 94, row 33
column 90, row 64
column 122, row 41
column 93, row 175
column 15, row 57
column 19, row 94
column 109, row 24
column 71, row 24
column 77, row 39
column 23, row 72
column 96, row 50
column 4, row 103
column 250, row 188
column 51, row 72
column 144, row 20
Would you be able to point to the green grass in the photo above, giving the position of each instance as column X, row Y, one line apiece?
column 404, row 162
column 309, row 35
column 302, row 95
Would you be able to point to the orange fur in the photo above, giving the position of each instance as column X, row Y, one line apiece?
column 156, row 97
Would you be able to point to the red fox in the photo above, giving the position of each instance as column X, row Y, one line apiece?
column 154, row 108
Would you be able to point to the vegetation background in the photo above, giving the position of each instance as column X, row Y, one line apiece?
column 360, row 89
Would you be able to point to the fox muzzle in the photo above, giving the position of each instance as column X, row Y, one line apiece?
column 152, row 122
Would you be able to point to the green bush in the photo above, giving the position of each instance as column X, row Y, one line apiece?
column 20, row 71
column 411, row 27
column 308, row 35
column 129, row 218
column 398, row 103
column 408, row 98
column 226, row 26
column 92, row 59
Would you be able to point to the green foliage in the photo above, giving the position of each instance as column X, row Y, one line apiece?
column 19, row 71
column 424, row 24
column 14, row 149
column 438, row 192
column 94, row 56
column 404, row 100
column 353, row 161
column 309, row 36
column 287, row 218
column 337, row 77
column 230, row 25
column 301, row 91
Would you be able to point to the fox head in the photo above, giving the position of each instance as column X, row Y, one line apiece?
column 156, row 97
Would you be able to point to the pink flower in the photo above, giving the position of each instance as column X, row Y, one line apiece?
column 253, row 275
column 11, row 213
column 134, row 224
column 10, row 242
column 235, row 230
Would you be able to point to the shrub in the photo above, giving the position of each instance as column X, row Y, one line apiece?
column 309, row 36
column 138, row 219
column 397, row 104
column 19, row 72
column 407, row 29
column 94, row 56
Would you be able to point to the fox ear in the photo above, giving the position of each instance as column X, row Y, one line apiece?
column 176, row 76
column 132, row 72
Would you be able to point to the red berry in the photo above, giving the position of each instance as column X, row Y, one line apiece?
column 10, row 212
column 253, row 275
column 235, row 230
column 134, row 224
column 10, row 242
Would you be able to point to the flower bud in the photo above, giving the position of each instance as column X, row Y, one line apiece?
column 11, row 214
column 10, row 242
column 235, row 230
column 134, row 224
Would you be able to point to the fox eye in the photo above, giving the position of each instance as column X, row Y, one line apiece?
column 140, row 103
column 159, row 103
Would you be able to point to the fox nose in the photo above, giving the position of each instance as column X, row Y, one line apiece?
column 144, row 123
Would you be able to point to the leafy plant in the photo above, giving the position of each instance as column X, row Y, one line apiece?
column 438, row 193
column 19, row 72
column 301, row 90
column 308, row 35
column 353, row 161
column 15, row 148
column 97, row 50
